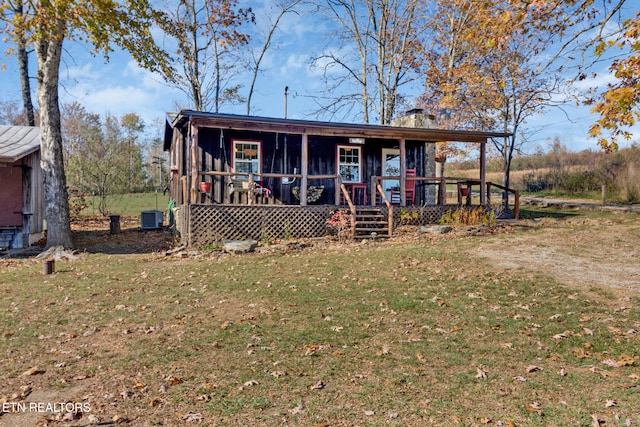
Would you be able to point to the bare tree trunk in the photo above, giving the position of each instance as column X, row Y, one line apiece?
column 23, row 67
column 48, row 53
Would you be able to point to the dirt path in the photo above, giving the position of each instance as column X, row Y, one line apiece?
column 580, row 252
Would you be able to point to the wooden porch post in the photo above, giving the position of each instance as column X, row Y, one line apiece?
column 193, row 193
column 483, row 172
column 403, row 172
column 304, row 165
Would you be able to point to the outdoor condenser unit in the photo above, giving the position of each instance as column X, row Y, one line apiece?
column 151, row 220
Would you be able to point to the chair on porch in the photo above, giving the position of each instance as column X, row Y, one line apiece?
column 410, row 189
column 358, row 194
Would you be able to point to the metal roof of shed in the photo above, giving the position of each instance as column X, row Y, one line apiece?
column 17, row 142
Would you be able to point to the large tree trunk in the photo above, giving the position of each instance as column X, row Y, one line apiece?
column 48, row 53
column 23, row 67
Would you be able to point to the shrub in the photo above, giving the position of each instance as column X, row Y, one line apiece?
column 77, row 203
column 340, row 223
column 408, row 216
column 469, row 216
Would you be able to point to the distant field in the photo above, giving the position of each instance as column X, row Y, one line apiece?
column 495, row 177
column 128, row 204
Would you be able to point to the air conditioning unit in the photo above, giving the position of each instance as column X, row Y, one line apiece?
column 151, row 220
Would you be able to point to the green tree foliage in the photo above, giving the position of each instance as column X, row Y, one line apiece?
column 103, row 157
column 45, row 25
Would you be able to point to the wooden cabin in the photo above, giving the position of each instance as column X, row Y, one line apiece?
column 299, row 171
column 21, row 192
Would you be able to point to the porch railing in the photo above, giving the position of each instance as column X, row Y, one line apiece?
column 262, row 176
column 352, row 207
column 386, row 201
column 463, row 185
column 516, row 197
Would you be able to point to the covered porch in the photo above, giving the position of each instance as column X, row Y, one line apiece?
column 245, row 163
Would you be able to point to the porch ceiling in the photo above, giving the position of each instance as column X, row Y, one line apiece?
column 268, row 124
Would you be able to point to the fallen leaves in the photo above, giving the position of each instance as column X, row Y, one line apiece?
column 624, row 360
column 318, row 386
column 386, row 349
column 534, row 407
column 562, row 335
column 314, row 349
column 33, row 371
column 297, row 410
column 481, row 373
column 192, row 417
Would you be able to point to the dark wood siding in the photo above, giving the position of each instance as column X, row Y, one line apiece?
column 281, row 154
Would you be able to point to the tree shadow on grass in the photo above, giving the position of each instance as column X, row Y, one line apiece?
column 96, row 237
column 539, row 213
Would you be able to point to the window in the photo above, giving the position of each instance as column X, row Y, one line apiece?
column 246, row 157
column 349, row 163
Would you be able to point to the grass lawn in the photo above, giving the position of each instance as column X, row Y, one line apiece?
column 127, row 204
column 408, row 332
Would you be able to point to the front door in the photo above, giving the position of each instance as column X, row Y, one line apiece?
column 390, row 167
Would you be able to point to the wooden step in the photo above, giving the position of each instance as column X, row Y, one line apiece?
column 372, row 222
column 369, row 216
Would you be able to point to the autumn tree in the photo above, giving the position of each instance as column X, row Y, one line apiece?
column 618, row 104
column 207, row 35
column 45, row 26
column 377, row 53
column 132, row 127
column 103, row 157
column 483, row 69
column 588, row 34
column 12, row 113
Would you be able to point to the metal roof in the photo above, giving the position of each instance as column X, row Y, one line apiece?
column 292, row 126
column 17, row 142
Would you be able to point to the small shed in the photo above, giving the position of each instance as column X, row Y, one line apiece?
column 21, row 187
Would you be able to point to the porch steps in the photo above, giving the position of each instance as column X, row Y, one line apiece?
column 371, row 224
column 6, row 237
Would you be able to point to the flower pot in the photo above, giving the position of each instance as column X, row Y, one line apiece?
column 464, row 192
column 205, row 187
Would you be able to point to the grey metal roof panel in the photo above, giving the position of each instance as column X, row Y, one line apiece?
column 17, row 142
column 233, row 121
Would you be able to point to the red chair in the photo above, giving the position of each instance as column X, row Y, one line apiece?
column 409, row 190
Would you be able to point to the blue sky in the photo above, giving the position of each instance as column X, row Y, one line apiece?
column 120, row 86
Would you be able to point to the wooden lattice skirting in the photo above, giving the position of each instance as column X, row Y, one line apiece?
column 428, row 214
column 201, row 225
column 211, row 223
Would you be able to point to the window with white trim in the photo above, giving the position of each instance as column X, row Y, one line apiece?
column 349, row 163
column 246, row 157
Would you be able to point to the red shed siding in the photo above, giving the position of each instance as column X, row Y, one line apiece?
column 11, row 195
